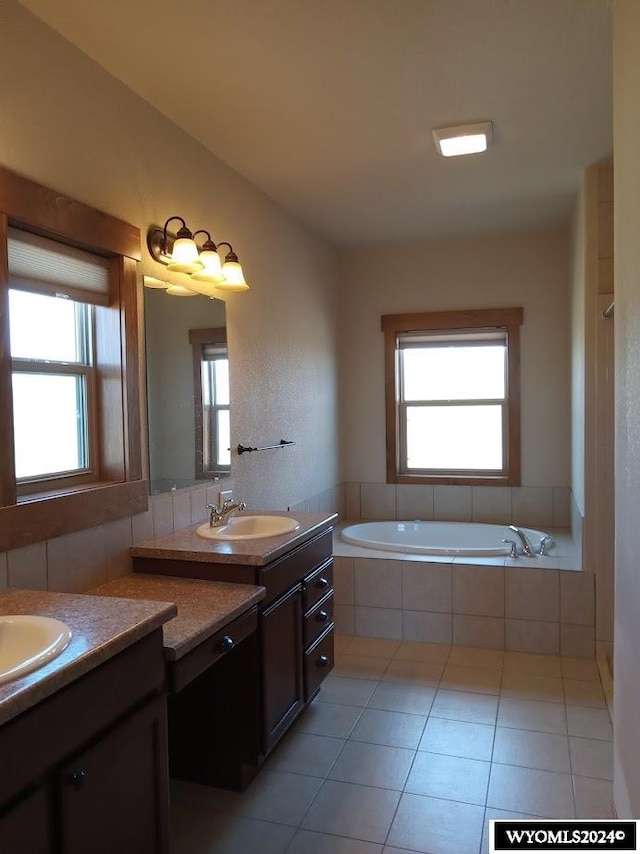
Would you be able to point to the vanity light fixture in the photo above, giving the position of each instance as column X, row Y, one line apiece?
column 463, row 139
column 181, row 254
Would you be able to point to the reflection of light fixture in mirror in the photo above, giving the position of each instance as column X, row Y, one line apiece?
column 208, row 276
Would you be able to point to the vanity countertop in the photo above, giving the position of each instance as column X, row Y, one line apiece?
column 102, row 627
column 204, row 607
column 188, row 546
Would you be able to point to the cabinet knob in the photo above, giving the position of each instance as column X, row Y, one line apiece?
column 226, row 644
column 79, row 780
column 323, row 660
column 322, row 583
column 322, row 617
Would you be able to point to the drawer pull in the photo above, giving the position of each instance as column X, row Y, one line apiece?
column 79, row 780
column 322, row 617
column 322, row 583
column 226, row 644
column 323, row 660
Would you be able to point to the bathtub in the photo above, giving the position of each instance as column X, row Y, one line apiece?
column 466, row 539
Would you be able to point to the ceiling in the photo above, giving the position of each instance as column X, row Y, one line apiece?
column 328, row 105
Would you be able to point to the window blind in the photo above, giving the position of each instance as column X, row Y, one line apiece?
column 46, row 266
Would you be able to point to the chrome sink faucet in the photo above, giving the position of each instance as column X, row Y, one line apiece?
column 526, row 545
column 218, row 515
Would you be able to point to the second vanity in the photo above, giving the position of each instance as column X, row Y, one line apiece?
column 271, row 660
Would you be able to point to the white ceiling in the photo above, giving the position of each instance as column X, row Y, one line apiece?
column 328, row 105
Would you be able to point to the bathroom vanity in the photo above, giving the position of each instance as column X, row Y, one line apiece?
column 294, row 626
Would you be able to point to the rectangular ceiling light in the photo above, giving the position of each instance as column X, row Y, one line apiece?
column 463, row 139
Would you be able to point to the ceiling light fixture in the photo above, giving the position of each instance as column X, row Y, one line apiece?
column 463, row 139
column 181, row 254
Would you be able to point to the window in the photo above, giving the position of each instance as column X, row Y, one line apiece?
column 452, row 389
column 70, row 404
column 211, row 400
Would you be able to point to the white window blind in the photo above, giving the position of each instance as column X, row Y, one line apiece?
column 49, row 267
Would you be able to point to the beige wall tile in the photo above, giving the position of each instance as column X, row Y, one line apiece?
column 27, row 567
column 426, row 626
column 561, row 507
column 426, row 587
column 478, row 590
column 577, row 641
column 142, row 527
column 532, row 594
column 378, row 622
column 452, row 503
column 532, row 506
column 414, row 502
column 343, row 581
column 198, row 501
column 378, row 583
column 478, row 631
column 181, row 509
column 117, row 543
column 491, row 504
column 162, row 510
column 344, row 619
column 352, row 501
column 577, row 604
column 77, row 562
column 378, row 500
column 532, row 636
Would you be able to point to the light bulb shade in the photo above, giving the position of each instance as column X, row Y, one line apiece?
column 152, row 282
column 180, row 291
column 184, row 256
column 212, row 268
column 233, row 277
column 206, row 289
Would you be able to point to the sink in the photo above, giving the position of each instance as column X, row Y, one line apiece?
column 28, row 642
column 249, row 528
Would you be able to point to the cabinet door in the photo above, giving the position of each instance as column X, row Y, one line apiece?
column 26, row 827
column 114, row 796
column 281, row 633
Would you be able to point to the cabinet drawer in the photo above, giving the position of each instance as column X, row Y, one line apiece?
column 187, row 668
column 318, row 619
column 318, row 662
column 278, row 576
column 316, row 585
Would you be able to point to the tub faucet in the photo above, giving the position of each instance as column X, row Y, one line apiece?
column 526, row 545
column 514, row 549
column 219, row 515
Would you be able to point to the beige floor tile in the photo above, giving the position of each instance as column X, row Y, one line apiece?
column 238, row 835
column 396, row 697
column 305, row 753
column 436, row 653
column 331, row 719
column 594, row 798
column 436, row 826
column 464, row 706
column 279, row 796
column 360, row 666
column 544, row 750
column 541, row 793
column 591, row 758
column 476, row 679
column 375, row 647
column 359, row 812
column 395, row 729
column 458, row 738
column 449, row 777
column 526, row 687
column 531, row 664
column 413, row 672
column 501, row 815
column 589, row 723
column 350, row 692
column 584, row 669
column 532, row 715
column 310, row 842
column 468, row 656
column 581, row 693
column 373, row 765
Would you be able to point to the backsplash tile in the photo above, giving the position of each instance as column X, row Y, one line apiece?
column 414, row 502
column 452, row 503
column 532, row 506
column 117, row 543
column 198, row 501
column 77, row 562
column 181, row 510
column 378, row 500
column 162, row 510
column 27, row 567
column 491, row 504
column 141, row 527
column 561, row 507
column 352, row 501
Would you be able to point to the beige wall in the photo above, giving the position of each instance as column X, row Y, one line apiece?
column 577, row 276
column 626, row 130
column 68, row 124
column 528, row 270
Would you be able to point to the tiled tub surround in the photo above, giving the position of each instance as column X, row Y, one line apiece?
column 538, row 605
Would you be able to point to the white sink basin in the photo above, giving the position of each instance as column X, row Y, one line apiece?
column 27, row 642
column 249, row 528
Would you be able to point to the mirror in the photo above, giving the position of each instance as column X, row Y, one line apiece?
column 187, row 390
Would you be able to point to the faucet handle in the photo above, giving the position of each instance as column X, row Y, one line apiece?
column 514, row 548
column 545, row 542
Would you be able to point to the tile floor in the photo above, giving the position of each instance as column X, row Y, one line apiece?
column 414, row 747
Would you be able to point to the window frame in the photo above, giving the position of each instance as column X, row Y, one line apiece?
column 507, row 319
column 199, row 339
column 121, row 485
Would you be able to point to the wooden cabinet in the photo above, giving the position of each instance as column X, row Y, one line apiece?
column 86, row 770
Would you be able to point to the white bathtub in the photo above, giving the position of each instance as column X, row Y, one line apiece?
column 467, row 539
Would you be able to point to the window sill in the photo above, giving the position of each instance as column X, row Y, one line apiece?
column 452, row 480
column 43, row 516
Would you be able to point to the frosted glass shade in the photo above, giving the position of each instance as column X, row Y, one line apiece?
column 180, row 291
column 212, row 268
column 184, row 256
column 233, row 277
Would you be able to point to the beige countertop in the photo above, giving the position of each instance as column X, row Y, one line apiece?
column 188, row 546
column 204, row 607
column 102, row 627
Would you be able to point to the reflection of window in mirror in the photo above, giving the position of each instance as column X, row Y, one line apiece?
column 211, row 402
